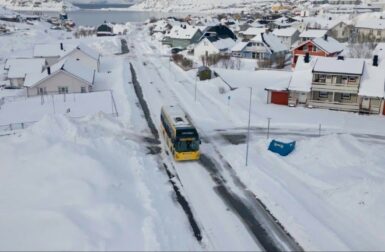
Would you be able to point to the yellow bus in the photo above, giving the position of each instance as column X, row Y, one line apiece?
column 180, row 135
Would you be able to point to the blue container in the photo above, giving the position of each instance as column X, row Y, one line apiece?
column 281, row 148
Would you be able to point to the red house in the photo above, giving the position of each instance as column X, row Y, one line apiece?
column 324, row 47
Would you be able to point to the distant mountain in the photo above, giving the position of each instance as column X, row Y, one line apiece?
column 102, row 1
column 197, row 5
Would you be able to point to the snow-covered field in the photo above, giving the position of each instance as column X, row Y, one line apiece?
column 32, row 109
column 86, row 185
column 327, row 193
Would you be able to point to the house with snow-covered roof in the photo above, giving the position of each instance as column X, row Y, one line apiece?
column 53, row 53
column 347, row 84
column 17, row 69
column 336, row 82
column 66, row 76
column 288, row 36
column 182, row 36
column 264, row 46
column 251, row 32
column 312, row 34
column 370, row 30
column 208, row 46
column 325, row 46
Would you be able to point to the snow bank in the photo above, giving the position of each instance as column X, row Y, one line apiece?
column 85, row 185
column 327, row 193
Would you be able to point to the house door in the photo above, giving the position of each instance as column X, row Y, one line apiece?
column 280, row 97
column 302, row 98
column 383, row 110
column 365, row 104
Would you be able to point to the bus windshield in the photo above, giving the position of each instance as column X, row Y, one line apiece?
column 184, row 146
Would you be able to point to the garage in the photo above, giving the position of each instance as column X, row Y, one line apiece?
column 280, row 97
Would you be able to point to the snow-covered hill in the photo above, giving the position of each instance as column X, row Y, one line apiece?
column 198, row 5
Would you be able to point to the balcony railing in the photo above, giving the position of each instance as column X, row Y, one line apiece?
column 346, row 106
column 345, row 88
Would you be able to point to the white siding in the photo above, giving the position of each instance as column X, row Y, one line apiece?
column 203, row 47
column 60, row 79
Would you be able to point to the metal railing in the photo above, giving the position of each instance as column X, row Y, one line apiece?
column 25, row 124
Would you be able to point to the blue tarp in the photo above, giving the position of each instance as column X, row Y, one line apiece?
column 281, row 148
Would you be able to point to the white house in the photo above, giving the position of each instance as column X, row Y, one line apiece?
column 207, row 46
column 251, row 32
column 312, row 34
column 370, row 29
column 52, row 53
column 17, row 69
column 288, row 36
column 66, row 76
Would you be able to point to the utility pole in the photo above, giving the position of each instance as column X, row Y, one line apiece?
column 268, row 127
column 248, row 127
column 196, row 86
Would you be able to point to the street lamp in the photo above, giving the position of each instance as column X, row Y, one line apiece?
column 248, row 127
column 195, row 92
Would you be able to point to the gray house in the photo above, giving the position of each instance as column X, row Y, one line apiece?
column 265, row 46
column 182, row 36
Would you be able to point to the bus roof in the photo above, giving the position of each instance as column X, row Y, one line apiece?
column 177, row 116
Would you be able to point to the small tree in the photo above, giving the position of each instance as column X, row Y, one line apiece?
column 265, row 63
column 280, row 61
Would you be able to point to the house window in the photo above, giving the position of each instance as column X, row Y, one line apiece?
column 323, row 95
column 352, row 79
column 378, row 32
column 314, row 48
column 322, row 78
column 339, row 79
column 346, row 97
column 63, row 90
column 42, row 91
column 83, row 89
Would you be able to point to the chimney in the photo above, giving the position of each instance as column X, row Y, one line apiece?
column 61, row 46
column 326, row 37
column 375, row 60
column 307, row 58
column 49, row 70
column 340, row 57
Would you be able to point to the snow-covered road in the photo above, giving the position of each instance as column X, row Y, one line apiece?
column 228, row 218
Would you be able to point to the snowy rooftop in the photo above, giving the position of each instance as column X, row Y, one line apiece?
column 177, row 115
column 239, row 46
column 52, row 50
column 325, row 22
column 55, row 50
column 380, row 50
column 334, row 65
column 313, row 33
column 89, row 51
column 18, row 68
column 252, row 31
column 272, row 41
column 287, row 32
column 185, row 32
column 371, row 23
column 329, row 45
column 70, row 66
column 224, row 44
column 373, row 80
column 302, row 75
